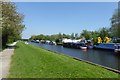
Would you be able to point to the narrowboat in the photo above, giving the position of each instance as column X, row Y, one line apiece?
column 108, row 46
column 74, row 45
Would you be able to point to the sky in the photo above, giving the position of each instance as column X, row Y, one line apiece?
column 64, row 17
column 64, row 0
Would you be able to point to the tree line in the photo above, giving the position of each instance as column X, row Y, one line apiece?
column 88, row 35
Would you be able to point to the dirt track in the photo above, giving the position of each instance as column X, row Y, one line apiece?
column 5, row 59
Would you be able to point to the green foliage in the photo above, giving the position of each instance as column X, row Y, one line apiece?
column 58, row 41
column 86, row 34
column 104, row 32
column 41, row 36
column 94, row 34
column 116, row 41
column 115, row 21
column 12, row 23
column 10, row 39
column 50, row 37
column 72, row 36
column 95, row 41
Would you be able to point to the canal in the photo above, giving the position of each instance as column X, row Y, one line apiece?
column 102, row 57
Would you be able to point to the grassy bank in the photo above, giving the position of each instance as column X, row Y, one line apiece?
column 33, row 62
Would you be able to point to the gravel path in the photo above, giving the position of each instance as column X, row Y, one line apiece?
column 5, row 59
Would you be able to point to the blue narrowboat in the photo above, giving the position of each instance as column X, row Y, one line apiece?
column 108, row 46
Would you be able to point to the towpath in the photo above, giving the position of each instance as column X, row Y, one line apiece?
column 5, row 59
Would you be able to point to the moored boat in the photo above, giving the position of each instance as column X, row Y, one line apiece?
column 83, row 47
column 117, row 48
column 108, row 46
column 52, row 43
column 75, row 45
column 90, row 47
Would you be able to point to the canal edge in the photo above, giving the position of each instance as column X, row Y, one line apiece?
column 75, row 58
column 111, row 69
column 114, row 70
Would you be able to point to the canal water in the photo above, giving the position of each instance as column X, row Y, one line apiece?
column 102, row 57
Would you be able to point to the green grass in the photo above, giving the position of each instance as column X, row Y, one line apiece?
column 33, row 62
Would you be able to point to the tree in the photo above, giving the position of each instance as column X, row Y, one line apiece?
column 60, row 36
column 66, row 36
column 40, row 37
column 86, row 34
column 12, row 23
column 32, row 37
column 72, row 36
column 104, row 32
column 115, row 23
column 94, row 34
column 76, row 35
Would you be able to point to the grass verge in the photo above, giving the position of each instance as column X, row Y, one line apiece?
column 33, row 62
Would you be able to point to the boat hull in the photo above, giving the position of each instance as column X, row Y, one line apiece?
column 83, row 48
column 105, row 46
column 117, row 50
column 73, row 45
column 90, row 47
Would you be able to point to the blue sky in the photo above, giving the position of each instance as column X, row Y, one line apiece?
column 65, row 17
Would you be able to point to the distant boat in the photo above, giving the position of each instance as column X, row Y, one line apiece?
column 42, row 41
column 74, row 45
column 117, row 48
column 83, row 47
column 36, row 41
column 47, row 42
column 89, row 44
column 52, row 43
